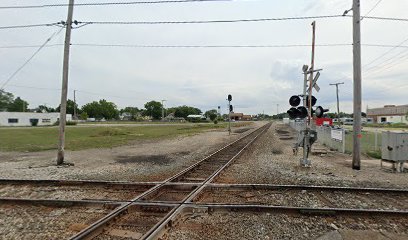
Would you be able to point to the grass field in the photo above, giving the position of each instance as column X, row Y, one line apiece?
column 86, row 137
column 368, row 143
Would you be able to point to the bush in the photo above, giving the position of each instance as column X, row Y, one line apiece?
column 374, row 154
column 215, row 121
column 69, row 123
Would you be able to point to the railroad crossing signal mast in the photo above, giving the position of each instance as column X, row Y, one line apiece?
column 305, row 113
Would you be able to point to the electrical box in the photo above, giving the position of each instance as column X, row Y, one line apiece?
column 394, row 146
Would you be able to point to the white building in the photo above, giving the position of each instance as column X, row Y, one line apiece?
column 20, row 119
column 389, row 114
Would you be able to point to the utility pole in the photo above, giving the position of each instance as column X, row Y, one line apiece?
column 337, row 94
column 163, row 108
column 75, row 112
column 356, row 85
column 64, row 91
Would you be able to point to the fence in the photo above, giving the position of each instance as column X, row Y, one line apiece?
column 340, row 139
column 334, row 138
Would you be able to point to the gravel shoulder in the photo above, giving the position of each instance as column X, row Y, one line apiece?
column 270, row 160
column 144, row 161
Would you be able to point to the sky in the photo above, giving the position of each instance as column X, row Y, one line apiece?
column 259, row 79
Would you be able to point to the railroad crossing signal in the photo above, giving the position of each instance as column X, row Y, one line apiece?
column 302, row 112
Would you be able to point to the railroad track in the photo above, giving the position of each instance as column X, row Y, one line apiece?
column 151, row 210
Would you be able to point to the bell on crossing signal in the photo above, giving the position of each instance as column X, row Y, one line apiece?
column 314, row 100
column 231, row 108
column 229, row 97
column 294, row 101
column 320, row 111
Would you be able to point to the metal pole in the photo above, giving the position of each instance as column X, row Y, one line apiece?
column 63, row 108
column 357, row 85
column 229, row 117
column 75, row 112
column 338, row 105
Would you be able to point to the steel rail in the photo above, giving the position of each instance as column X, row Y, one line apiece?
column 56, row 202
column 161, row 227
column 302, row 210
column 71, row 182
column 98, row 225
column 306, row 187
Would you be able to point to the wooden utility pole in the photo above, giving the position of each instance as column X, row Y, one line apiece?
column 64, row 91
column 337, row 94
column 356, row 85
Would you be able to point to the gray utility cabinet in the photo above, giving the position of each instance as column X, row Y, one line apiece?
column 395, row 149
column 395, row 146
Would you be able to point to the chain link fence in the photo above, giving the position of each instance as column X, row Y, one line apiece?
column 341, row 139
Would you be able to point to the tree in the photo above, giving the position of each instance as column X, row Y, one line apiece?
column 133, row 111
column 212, row 114
column 6, row 99
column 184, row 111
column 83, row 116
column 18, row 105
column 101, row 109
column 153, row 109
column 43, row 108
column 70, row 107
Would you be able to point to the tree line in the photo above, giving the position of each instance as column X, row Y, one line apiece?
column 104, row 109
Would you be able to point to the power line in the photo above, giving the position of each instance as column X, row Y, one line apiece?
column 388, row 19
column 30, row 58
column 208, row 21
column 387, row 52
column 202, row 46
column 110, row 3
column 29, row 46
column 205, row 46
column 29, row 25
column 372, row 9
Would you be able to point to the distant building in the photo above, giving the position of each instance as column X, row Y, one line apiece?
column 389, row 114
column 236, row 116
column 240, row 117
column 21, row 119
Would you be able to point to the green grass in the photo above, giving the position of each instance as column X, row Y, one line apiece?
column 33, row 139
column 367, row 143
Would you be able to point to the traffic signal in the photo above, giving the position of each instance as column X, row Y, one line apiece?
column 229, row 97
column 231, row 108
column 294, row 101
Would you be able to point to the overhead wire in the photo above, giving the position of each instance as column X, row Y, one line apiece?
column 110, row 3
column 372, row 9
column 30, row 58
column 208, row 21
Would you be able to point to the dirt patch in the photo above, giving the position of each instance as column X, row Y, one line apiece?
column 242, row 130
column 152, row 159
